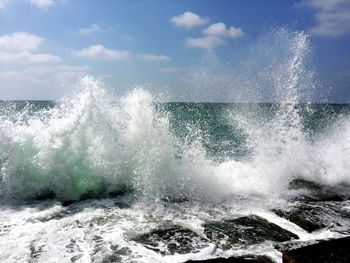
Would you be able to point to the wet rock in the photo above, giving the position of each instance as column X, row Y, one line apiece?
column 316, row 192
column 245, row 259
column 313, row 216
column 331, row 251
column 245, row 231
column 300, row 218
column 172, row 240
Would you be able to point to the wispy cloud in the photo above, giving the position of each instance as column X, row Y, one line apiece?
column 221, row 30
column 20, row 41
column 214, row 34
column 27, row 57
column 40, row 71
column 151, row 57
column 91, row 29
column 188, row 20
column 332, row 17
column 99, row 52
column 43, row 4
column 207, row 42
column 18, row 47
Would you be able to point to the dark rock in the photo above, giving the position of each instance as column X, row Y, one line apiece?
column 313, row 216
column 315, row 191
column 175, row 239
column 299, row 218
column 246, row 259
column 331, row 251
column 245, row 231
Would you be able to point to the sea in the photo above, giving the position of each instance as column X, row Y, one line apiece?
column 99, row 178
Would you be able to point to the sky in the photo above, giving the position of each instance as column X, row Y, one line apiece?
column 186, row 50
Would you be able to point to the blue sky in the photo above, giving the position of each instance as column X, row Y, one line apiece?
column 173, row 47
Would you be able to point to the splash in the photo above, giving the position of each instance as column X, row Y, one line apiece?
column 95, row 145
column 283, row 150
column 87, row 145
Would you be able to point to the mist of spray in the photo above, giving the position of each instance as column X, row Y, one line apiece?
column 93, row 145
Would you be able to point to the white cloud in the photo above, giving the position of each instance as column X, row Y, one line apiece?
column 188, row 20
column 207, row 42
column 151, row 57
column 20, row 41
column 27, row 57
column 214, row 33
column 332, row 17
column 41, row 73
column 220, row 30
column 43, row 4
column 100, row 52
column 94, row 28
column 18, row 47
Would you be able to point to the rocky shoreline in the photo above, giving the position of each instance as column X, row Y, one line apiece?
column 326, row 251
column 335, row 250
column 319, row 209
column 313, row 226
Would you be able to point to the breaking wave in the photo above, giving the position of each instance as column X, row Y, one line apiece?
column 95, row 145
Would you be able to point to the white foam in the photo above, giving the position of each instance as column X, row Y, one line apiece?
column 93, row 143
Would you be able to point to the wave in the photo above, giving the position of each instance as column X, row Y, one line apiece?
column 93, row 144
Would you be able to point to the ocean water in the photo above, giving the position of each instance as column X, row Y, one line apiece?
column 97, row 178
